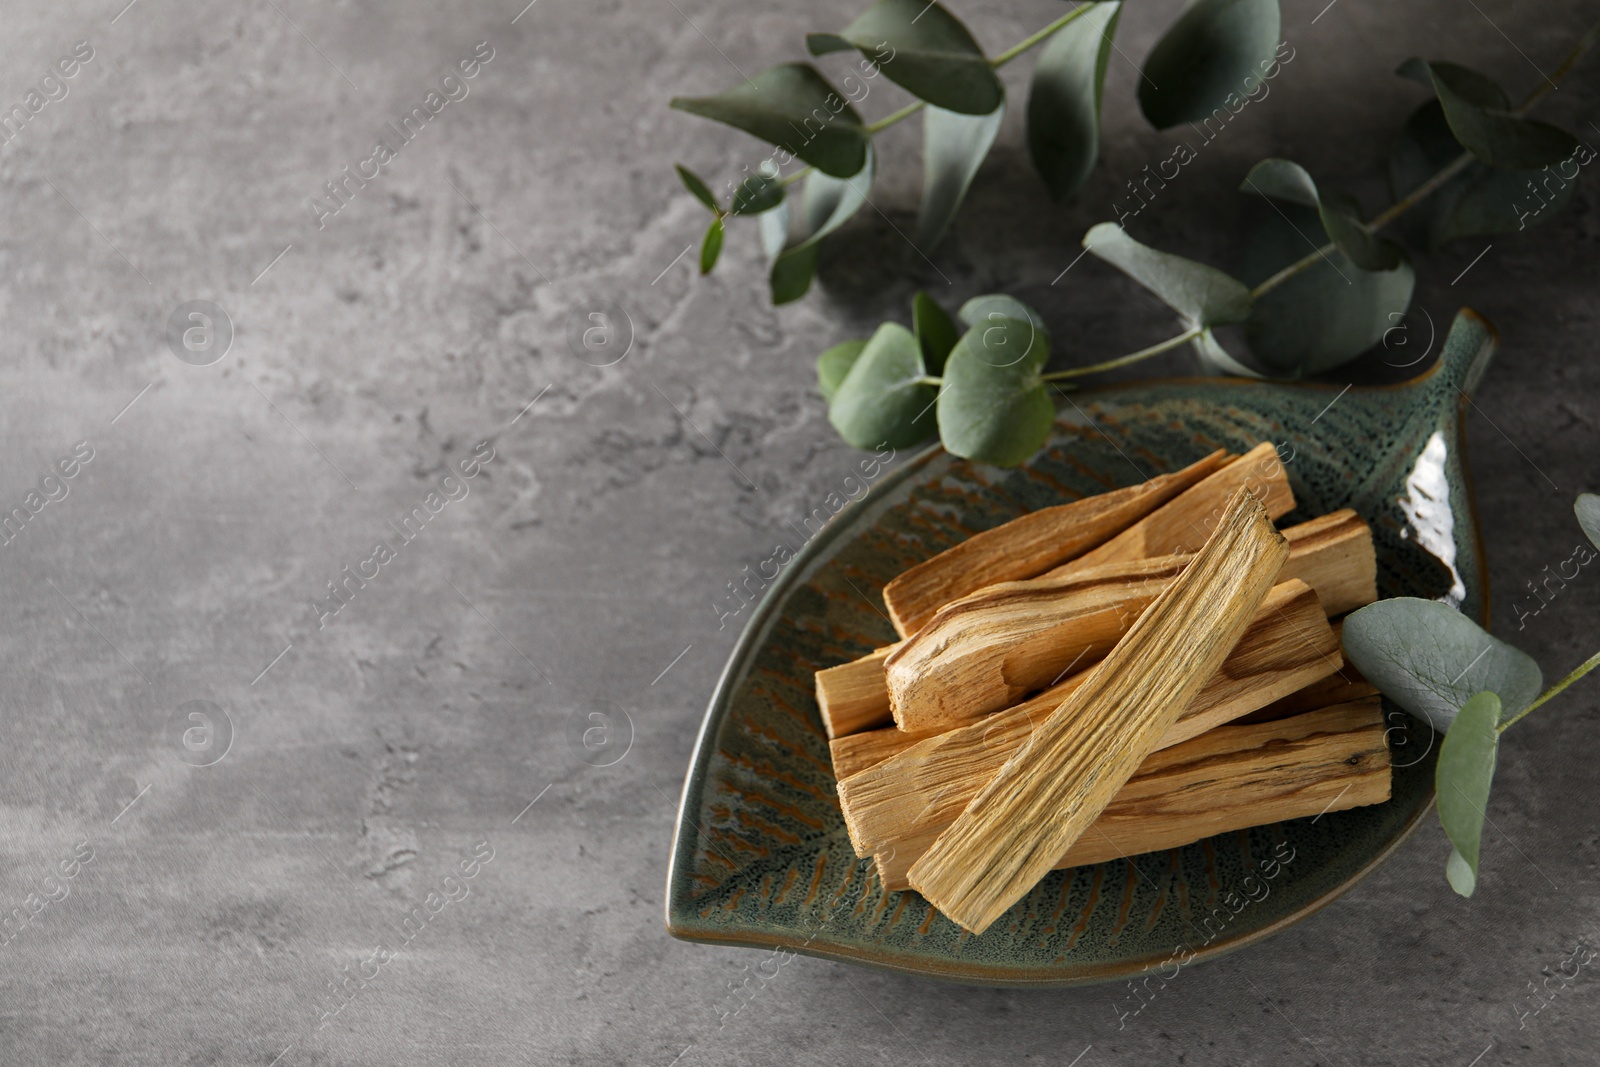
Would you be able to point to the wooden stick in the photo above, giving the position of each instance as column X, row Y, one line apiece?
column 929, row 781
column 988, row 650
column 854, row 753
column 1228, row 779
column 1049, row 792
column 1184, row 524
column 1028, row 546
column 853, row 696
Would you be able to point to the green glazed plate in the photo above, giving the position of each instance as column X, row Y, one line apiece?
column 761, row 856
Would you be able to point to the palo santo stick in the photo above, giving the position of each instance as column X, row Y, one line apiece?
column 1293, row 637
column 1028, row 546
column 853, row 696
column 927, row 784
column 987, row 650
column 1227, row 779
column 1184, row 524
column 1048, row 793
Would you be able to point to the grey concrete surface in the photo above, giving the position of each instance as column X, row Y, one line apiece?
column 365, row 763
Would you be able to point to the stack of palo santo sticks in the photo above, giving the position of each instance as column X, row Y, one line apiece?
column 1130, row 672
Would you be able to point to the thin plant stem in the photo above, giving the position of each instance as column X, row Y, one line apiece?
column 1583, row 668
column 1131, row 357
column 1039, row 38
column 1439, row 180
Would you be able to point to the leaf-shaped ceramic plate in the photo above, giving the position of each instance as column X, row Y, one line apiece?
column 761, row 856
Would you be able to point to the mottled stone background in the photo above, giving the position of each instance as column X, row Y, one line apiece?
column 372, row 755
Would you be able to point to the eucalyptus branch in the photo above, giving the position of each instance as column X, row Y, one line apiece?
column 1024, row 45
column 1439, row 180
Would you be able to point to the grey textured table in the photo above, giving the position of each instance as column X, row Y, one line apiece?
column 377, row 764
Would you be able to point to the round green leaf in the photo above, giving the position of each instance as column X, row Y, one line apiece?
column 1587, row 508
column 883, row 399
column 1203, row 295
column 1329, row 313
column 1430, row 659
column 1480, row 201
column 1477, row 111
column 791, row 106
column 986, row 309
column 1217, row 51
column 1463, row 778
column 756, row 194
column 1282, row 179
column 953, row 147
column 993, row 405
column 711, row 247
column 927, row 51
column 1064, row 99
column 691, row 181
column 835, row 363
column 936, row 334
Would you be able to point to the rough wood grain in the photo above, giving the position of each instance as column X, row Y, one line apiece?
column 1228, row 779
column 1056, row 785
column 1028, row 546
column 927, row 781
column 991, row 648
column 1184, row 524
column 853, row 696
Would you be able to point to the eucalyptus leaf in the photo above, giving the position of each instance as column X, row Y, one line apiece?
column 883, row 399
column 1216, row 50
column 821, row 44
column 982, row 310
column 1326, row 315
column 1203, row 295
column 793, row 107
column 711, row 246
column 993, row 404
column 936, row 334
column 1480, row 201
column 1587, row 508
column 1064, row 99
column 774, row 230
column 1281, row 179
column 756, row 194
column 1430, row 659
column 925, row 50
column 702, row 192
column 826, row 204
column 953, row 147
column 1480, row 118
column 835, row 363
column 1463, row 778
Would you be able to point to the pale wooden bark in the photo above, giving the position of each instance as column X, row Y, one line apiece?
column 988, row 650
column 1055, row 786
column 927, row 781
column 1028, row 546
column 1184, row 524
column 852, row 697
column 1228, row 779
